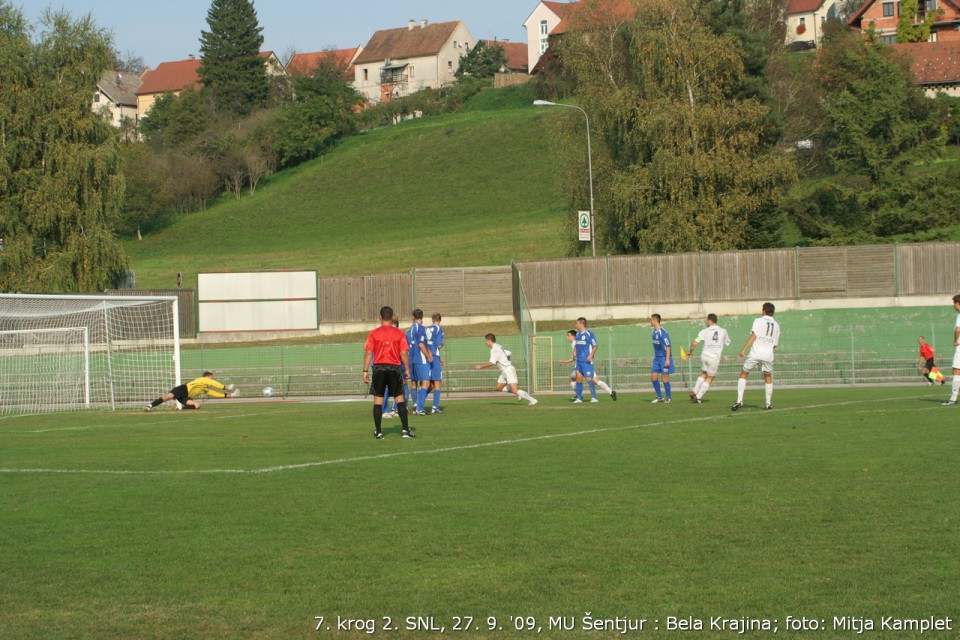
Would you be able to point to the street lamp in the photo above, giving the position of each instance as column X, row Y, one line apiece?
column 545, row 103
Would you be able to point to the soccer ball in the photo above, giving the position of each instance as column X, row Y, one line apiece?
column 267, row 392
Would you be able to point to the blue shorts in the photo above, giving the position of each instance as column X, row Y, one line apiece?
column 658, row 366
column 436, row 372
column 586, row 370
column 421, row 372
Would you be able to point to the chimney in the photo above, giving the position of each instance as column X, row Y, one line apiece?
column 411, row 24
column 423, row 24
column 191, row 57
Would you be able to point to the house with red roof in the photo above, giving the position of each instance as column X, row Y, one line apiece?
column 306, row 64
column 169, row 77
column 541, row 23
column 398, row 62
column 182, row 75
column 883, row 15
column 935, row 65
column 515, row 52
column 804, row 21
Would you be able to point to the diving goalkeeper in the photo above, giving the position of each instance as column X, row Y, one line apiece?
column 185, row 393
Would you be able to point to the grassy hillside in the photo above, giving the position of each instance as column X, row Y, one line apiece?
column 467, row 189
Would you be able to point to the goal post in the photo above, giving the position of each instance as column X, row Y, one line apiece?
column 66, row 352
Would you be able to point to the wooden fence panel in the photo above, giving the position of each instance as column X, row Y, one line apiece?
column 822, row 273
column 929, row 268
column 654, row 279
column 487, row 291
column 564, row 283
column 394, row 290
column 340, row 299
column 871, row 271
column 439, row 291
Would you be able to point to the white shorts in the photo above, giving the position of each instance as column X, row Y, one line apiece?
column 752, row 361
column 508, row 376
column 709, row 363
column 956, row 358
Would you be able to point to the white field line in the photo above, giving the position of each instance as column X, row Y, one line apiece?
column 465, row 447
column 139, row 423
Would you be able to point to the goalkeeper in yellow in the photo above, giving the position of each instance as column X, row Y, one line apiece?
column 185, row 393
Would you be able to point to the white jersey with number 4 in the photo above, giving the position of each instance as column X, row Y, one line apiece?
column 714, row 339
column 768, row 336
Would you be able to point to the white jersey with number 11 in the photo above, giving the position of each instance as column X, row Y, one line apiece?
column 768, row 336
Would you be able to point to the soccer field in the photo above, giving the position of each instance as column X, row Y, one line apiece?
column 837, row 509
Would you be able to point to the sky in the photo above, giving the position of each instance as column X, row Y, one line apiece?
column 169, row 30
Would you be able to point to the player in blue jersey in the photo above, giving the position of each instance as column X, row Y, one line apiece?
column 585, row 348
column 662, row 360
column 420, row 360
column 434, row 344
column 576, row 377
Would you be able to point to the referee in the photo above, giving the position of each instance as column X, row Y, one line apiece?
column 387, row 346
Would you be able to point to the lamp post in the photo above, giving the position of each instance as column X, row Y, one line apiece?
column 545, row 103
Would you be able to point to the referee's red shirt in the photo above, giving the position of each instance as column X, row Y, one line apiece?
column 386, row 342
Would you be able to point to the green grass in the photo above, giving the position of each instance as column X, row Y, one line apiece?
column 840, row 502
column 468, row 189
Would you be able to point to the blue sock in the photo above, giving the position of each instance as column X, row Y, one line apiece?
column 656, row 387
column 666, row 386
column 436, row 399
column 579, row 390
column 421, row 397
column 593, row 390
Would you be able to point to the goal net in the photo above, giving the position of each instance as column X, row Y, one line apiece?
column 61, row 353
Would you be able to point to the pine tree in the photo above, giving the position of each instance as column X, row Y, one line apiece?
column 61, row 186
column 232, row 70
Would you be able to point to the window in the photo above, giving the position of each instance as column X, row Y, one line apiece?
column 449, row 66
column 931, row 5
column 96, row 97
column 543, row 46
column 803, row 21
column 543, row 28
column 412, row 71
column 889, row 39
column 887, row 9
column 366, row 75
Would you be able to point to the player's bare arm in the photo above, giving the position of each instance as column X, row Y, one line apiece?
column 590, row 357
column 743, row 352
column 426, row 352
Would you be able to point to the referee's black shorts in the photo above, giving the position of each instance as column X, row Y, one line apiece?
column 386, row 376
column 930, row 364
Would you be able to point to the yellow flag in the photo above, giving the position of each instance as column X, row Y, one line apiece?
column 683, row 354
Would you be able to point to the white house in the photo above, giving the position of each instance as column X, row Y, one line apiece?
column 116, row 96
column 804, row 20
column 541, row 23
column 398, row 62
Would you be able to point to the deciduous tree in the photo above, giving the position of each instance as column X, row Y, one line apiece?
column 61, row 185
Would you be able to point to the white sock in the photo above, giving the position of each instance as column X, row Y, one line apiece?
column 603, row 385
column 523, row 395
column 573, row 385
column 768, row 388
column 703, row 389
column 741, row 387
column 696, row 385
column 954, row 388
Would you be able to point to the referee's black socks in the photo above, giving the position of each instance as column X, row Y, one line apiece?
column 377, row 416
column 402, row 412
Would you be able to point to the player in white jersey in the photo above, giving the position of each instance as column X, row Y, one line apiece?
column 955, row 384
column 764, row 337
column 714, row 339
column 508, row 373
